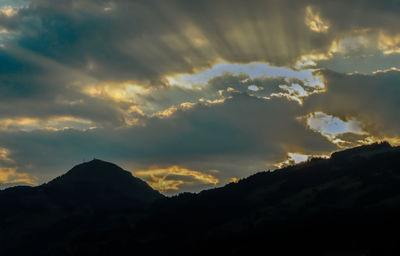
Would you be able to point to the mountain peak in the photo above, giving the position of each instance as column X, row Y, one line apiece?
column 98, row 175
column 94, row 171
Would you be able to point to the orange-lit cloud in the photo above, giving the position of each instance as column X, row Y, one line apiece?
column 354, row 47
column 171, row 178
column 233, row 180
column 8, row 11
column 11, row 176
column 171, row 110
column 394, row 141
column 350, row 43
column 53, row 123
column 389, row 44
column 119, row 92
column 315, row 22
column 4, row 155
column 310, row 60
column 385, row 70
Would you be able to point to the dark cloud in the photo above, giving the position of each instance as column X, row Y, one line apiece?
column 216, row 88
column 58, row 43
column 361, row 14
column 37, row 87
column 372, row 99
column 51, row 50
column 144, row 40
column 240, row 130
column 366, row 62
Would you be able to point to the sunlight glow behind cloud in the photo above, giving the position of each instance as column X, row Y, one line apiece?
column 315, row 22
column 8, row 10
column 330, row 126
column 253, row 70
column 228, row 85
column 296, row 158
column 54, row 124
column 171, row 178
column 9, row 174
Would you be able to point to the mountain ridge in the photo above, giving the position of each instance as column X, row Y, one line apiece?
column 100, row 174
column 349, row 204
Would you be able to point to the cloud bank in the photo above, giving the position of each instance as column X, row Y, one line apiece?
column 230, row 86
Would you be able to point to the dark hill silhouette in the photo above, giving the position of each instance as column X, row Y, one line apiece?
column 96, row 184
column 101, row 180
column 346, row 205
column 363, row 151
column 91, row 196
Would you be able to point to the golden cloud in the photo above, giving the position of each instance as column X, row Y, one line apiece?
column 309, row 60
column 170, row 178
column 118, row 92
column 4, row 155
column 11, row 176
column 394, row 141
column 364, row 41
column 8, row 10
column 53, row 123
column 386, row 70
column 315, row 22
column 171, row 110
column 389, row 44
column 233, row 180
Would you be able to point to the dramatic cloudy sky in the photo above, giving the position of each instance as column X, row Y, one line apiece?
column 188, row 94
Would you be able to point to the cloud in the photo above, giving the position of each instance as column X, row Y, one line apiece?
column 200, row 84
column 57, row 123
column 57, row 50
column 372, row 101
column 237, row 137
column 147, row 40
column 10, row 177
column 8, row 11
column 332, row 127
column 171, row 178
column 315, row 22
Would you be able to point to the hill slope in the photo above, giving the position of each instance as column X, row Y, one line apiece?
column 91, row 196
column 346, row 205
column 330, row 202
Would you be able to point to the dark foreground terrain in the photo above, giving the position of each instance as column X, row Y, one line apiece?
column 347, row 205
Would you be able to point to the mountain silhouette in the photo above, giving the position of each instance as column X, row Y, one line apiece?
column 91, row 196
column 346, row 205
column 100, row 180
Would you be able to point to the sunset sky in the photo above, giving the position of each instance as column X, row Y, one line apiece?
column 189, row 95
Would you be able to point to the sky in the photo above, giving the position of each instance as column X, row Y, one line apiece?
column 190, row 95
